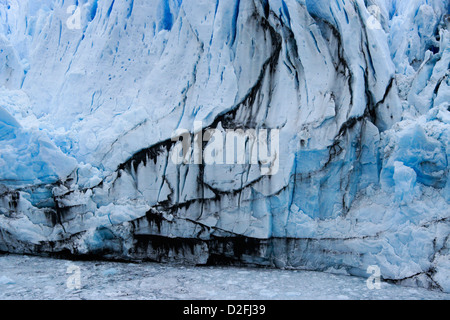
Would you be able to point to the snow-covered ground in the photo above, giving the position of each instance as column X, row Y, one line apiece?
column 25, row 277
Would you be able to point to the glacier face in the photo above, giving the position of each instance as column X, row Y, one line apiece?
column 92, row 91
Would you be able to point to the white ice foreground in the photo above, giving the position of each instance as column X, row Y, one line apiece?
column 25, row 277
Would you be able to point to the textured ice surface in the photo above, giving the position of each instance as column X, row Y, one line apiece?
column 29, row 157
column 40, row 278
column 359, row 90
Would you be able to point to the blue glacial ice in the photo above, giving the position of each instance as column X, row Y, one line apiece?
column 29, row 157
column 359, row 90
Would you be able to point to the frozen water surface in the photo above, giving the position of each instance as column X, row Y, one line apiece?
column 25, row 277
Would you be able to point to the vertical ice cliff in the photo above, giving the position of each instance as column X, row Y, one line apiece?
column 92, row 91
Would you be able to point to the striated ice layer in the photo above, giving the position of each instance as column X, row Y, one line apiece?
column 358, row 89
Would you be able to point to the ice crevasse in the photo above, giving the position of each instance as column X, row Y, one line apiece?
column 92, row 91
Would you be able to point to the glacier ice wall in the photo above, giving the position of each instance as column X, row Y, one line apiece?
column 91, row 92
